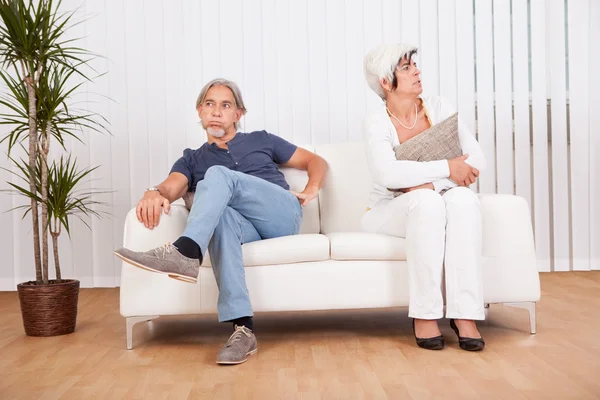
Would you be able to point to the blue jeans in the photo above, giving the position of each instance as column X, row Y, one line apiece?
column 232, row 208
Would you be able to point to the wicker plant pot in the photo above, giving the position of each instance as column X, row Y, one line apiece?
column 49, row 310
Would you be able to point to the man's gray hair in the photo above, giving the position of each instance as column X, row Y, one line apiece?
column 381, row 62
column 237, row 94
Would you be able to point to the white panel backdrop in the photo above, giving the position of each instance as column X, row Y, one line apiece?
column 520, row 72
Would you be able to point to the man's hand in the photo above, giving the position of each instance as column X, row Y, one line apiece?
column 462, row 173
column 148, row 209
column 423, row 186
column 309, row 193
column 315, row 166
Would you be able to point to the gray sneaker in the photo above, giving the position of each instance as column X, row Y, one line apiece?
column 239, row 346
column 164, row 260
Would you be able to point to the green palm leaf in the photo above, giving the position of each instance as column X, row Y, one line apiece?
column 66, row 197
column 42, row 69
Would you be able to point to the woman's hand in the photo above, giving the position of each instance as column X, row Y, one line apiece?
column 471, row 178
column 462, row 173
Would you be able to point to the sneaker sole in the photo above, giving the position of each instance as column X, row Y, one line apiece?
column 178, row 277
column 238, row 362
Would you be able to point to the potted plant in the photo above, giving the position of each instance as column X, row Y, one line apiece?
column 37, row 67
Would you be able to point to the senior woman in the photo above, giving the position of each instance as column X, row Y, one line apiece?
column 435, row 210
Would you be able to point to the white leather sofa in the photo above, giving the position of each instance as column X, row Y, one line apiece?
column 330, row 264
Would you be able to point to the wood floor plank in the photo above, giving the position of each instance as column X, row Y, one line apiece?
column 349, row 354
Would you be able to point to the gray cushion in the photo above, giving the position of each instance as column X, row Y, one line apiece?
column 440, row 142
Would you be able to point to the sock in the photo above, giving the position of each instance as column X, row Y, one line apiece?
column 188, row 248
column 244, row 321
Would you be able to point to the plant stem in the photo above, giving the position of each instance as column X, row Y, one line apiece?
column 55, row 251
column 45, row 148
column 55, row 229
column 33, row 136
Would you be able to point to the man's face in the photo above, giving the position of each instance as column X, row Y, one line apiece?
column 218, row 111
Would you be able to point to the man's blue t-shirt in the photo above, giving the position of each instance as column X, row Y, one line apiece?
column 257, row 154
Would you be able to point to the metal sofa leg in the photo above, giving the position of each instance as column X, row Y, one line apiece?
column 529, row 306
column 130, row 322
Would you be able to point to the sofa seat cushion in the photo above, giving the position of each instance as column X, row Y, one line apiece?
column 284, row 250
column 366, row 246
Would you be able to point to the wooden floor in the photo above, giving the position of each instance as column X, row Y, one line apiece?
column 343, row 354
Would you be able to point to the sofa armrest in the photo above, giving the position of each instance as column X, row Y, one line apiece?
column 507, row 229
column 509, row 260
column 139, row 238
column 144, row 293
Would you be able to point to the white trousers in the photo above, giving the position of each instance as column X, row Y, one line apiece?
column 440, row 231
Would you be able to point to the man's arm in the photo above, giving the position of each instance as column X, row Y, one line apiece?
column 174, row 186
column 315, row 166
column 148, row 208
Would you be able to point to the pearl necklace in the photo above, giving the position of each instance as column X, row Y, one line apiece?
column 400, row 122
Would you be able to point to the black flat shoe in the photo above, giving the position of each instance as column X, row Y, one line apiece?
column 433, row 343
column 467, row 343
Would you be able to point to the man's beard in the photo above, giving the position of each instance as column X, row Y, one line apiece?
column 215, row 132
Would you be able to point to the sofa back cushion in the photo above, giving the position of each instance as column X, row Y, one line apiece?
column 344, row 197
column 297, row 180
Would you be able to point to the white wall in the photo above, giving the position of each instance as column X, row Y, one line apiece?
column 299, row 64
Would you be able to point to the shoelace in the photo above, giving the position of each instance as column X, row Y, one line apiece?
column 162, row 251
column 237, row 335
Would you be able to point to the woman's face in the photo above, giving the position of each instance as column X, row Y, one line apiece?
column 408, row 77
